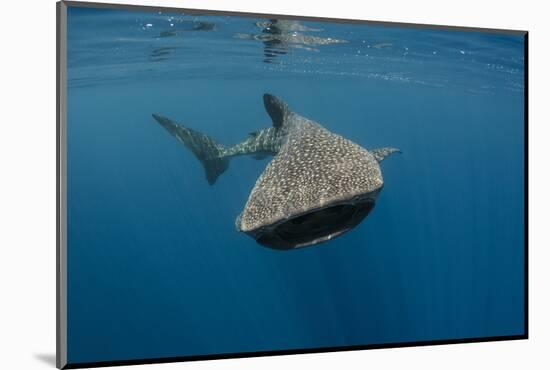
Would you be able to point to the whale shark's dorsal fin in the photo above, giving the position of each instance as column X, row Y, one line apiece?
column 277, row 109
column 381, row 153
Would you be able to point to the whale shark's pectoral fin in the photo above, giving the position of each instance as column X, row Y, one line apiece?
column 381, row 153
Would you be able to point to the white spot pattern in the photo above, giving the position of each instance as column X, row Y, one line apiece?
column 313, row 168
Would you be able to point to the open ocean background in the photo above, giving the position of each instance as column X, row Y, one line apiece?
column 155, row 265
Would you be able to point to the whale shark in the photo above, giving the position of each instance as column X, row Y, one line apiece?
column 280, row 35
column 188, row 26
column 279, row 26
column 317, row 186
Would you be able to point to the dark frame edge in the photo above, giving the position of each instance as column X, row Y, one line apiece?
column 289, row 352
column 526, row 179
column 61, row 245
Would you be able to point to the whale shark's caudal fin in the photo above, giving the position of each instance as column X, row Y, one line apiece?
column 206, row 149
column 381, row 153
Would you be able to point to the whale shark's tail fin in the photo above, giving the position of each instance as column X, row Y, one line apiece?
column 206, row 149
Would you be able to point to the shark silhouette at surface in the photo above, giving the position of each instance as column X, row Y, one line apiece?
column 317, row 186
column 279, row 36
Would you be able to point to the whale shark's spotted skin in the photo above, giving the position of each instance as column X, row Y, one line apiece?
column 318, row 185
column 314, row 167
column 261, row 143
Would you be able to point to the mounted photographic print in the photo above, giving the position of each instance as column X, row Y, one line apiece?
column 235, row 185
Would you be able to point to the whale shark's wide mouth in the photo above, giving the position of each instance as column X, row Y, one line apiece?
column 316, row 226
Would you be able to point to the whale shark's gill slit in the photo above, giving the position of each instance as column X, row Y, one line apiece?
column 319, row 225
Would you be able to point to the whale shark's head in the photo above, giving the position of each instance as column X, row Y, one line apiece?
column 317, row 187
column 312, row 226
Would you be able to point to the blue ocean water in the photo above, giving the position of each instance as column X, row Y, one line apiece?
column 155, row 265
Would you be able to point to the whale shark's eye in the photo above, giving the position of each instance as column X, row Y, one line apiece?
column 318, row 225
